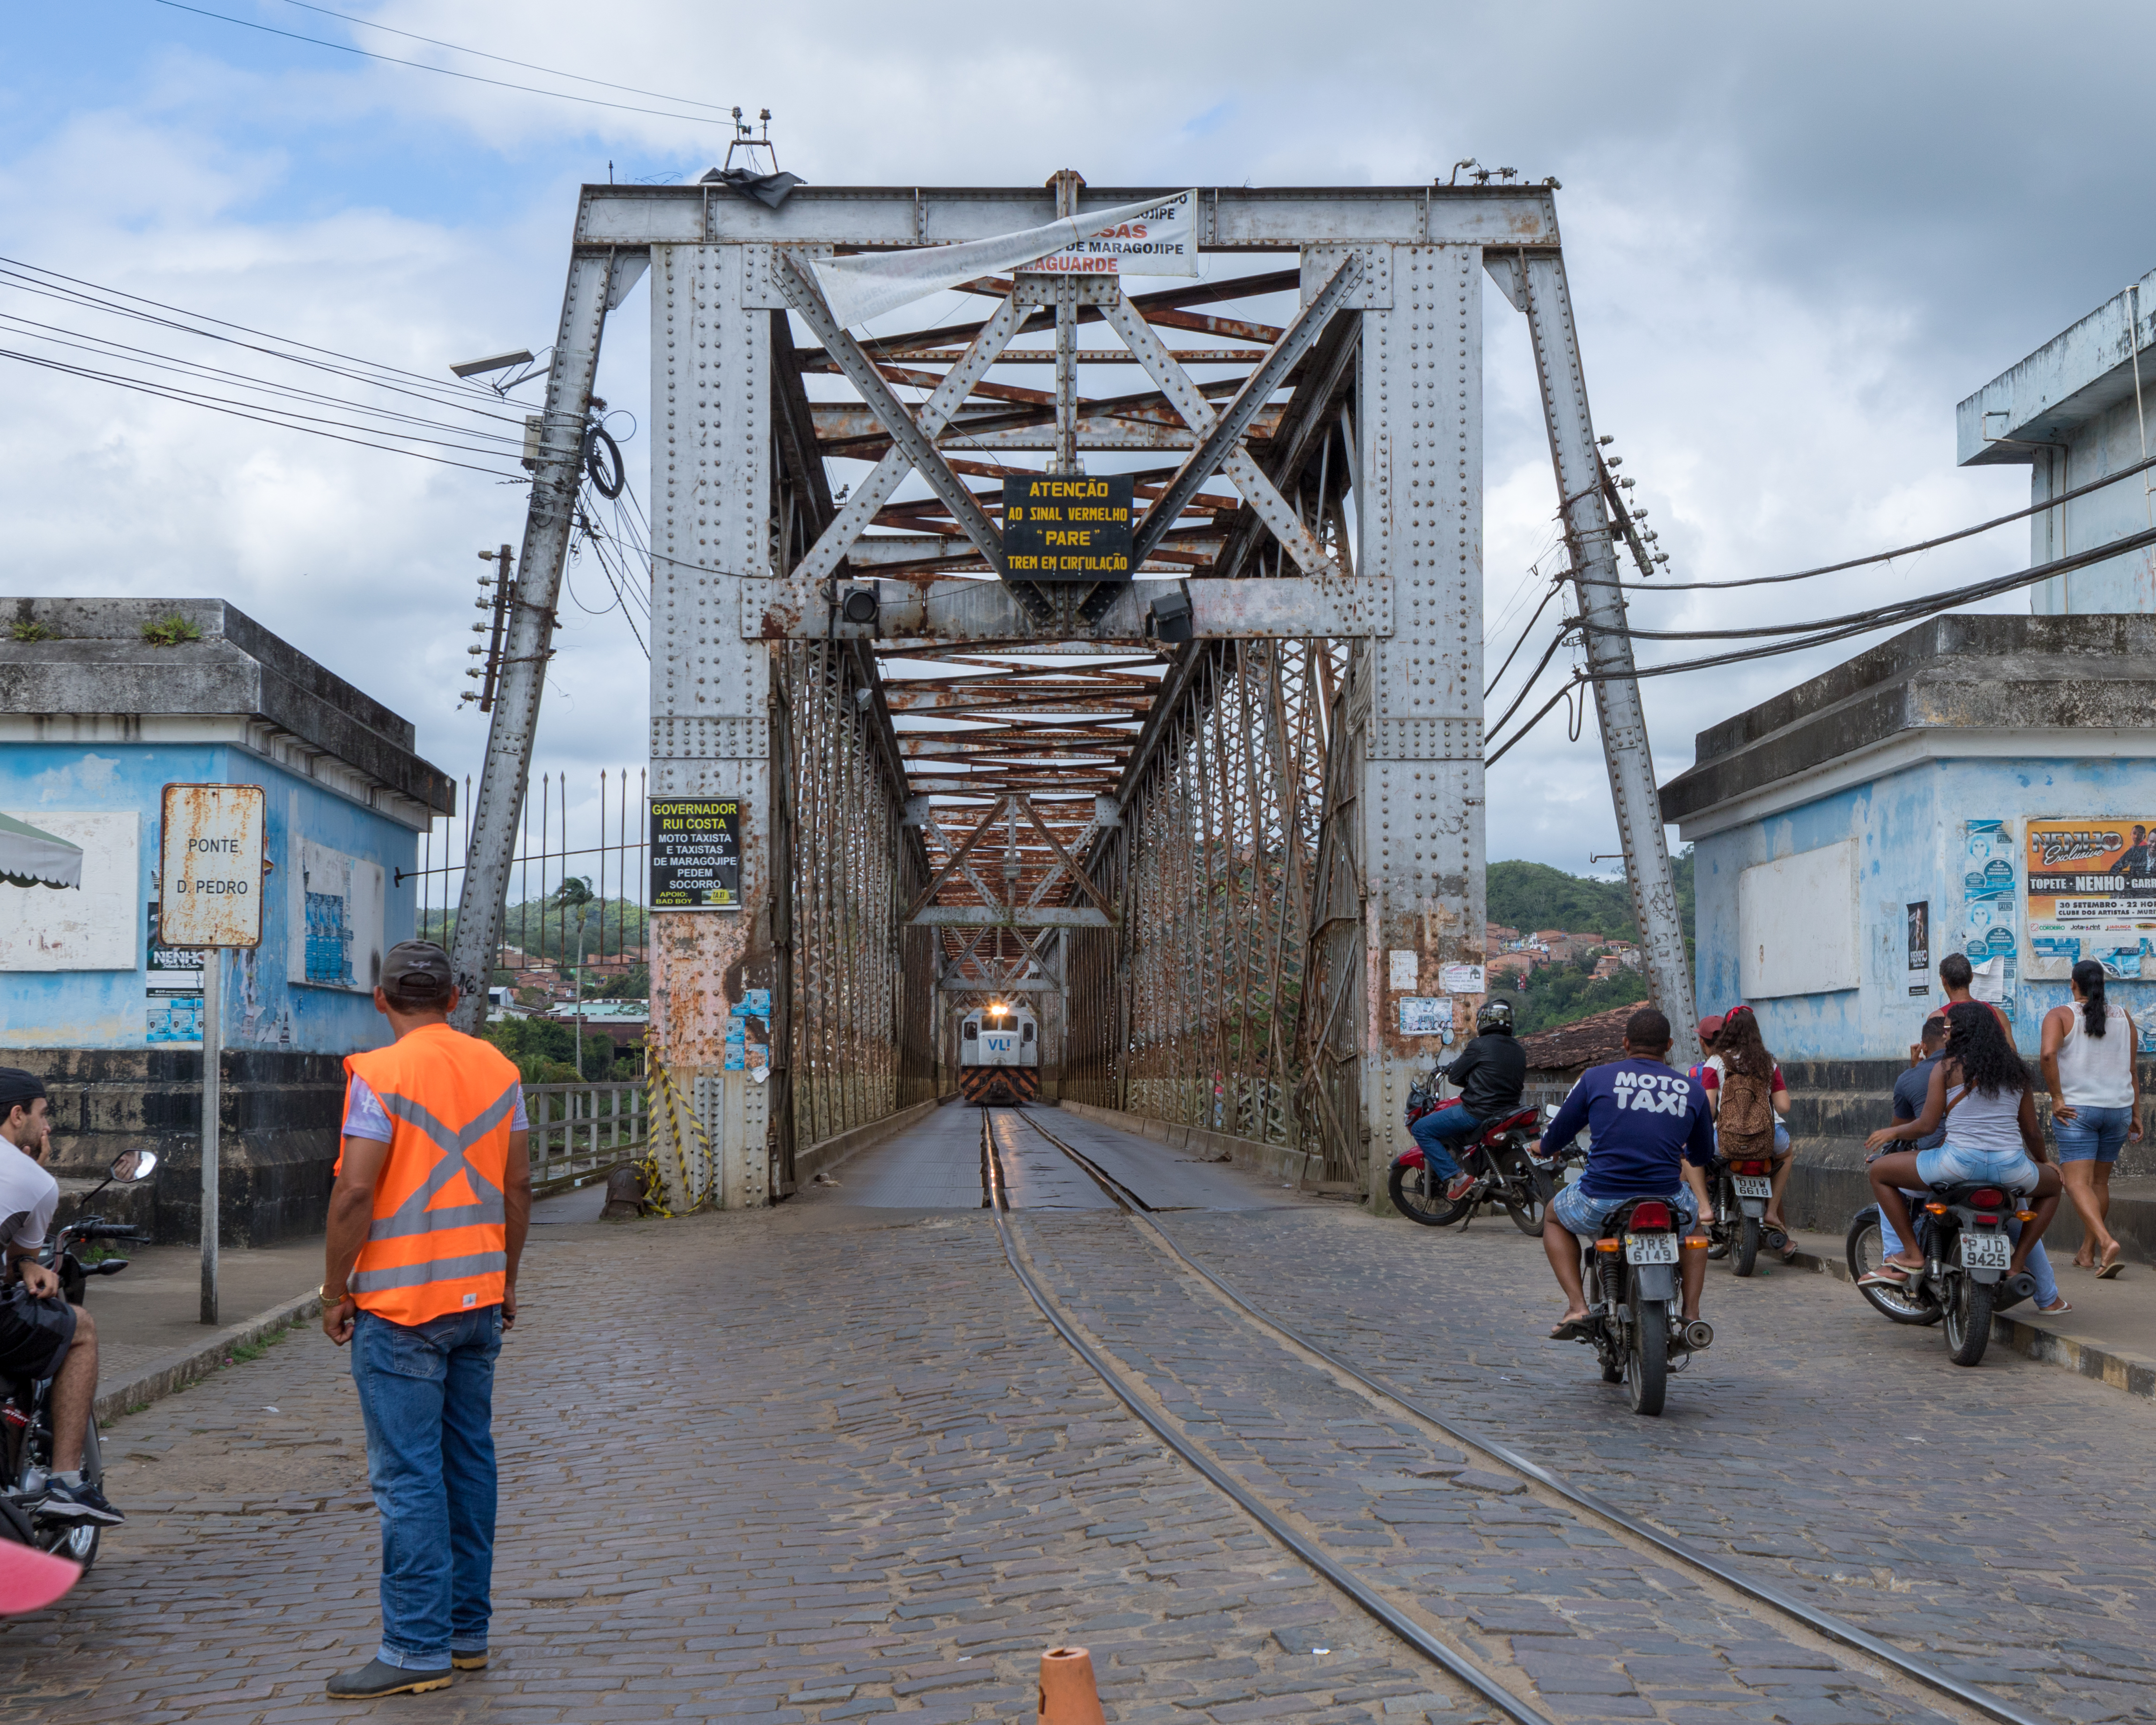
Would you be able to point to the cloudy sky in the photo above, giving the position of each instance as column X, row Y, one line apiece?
column 1794, row 239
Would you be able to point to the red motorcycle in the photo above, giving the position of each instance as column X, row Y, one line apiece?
column 1500, row 1157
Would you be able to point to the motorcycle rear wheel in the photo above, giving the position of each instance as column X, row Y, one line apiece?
column 1968, row 1321
column 77, row 1543
column 1416, row 1195
column 1744, row 1255
column 1647, row 1361
column 1863, row 1251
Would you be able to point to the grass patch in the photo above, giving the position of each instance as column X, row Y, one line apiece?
column 28, row 630
column 170, row 630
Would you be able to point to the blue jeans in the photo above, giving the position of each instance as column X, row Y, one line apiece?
column 427, row 1393
column 2092, row 1135
column 1437, row 1132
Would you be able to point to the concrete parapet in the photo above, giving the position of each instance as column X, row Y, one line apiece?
column 1275, row 1161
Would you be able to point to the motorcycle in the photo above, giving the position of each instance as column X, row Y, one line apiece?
column 1635, row 1326
column 1740, row 1190
column 1500, row 1156
column 26, row 1432
column 1964, row 1233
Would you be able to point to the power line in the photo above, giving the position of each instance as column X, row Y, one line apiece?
column 559, row 96
column 192, row 398
column 1888, row 557
column 503, row 59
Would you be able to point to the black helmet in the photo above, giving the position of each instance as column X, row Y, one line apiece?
column 1496, row 1016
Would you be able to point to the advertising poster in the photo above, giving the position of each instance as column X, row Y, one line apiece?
column 1920, row 947
column 695, row 853
column 1989, row 910
column 1425, row 1015
column 2091, row 895
column 171, row 1002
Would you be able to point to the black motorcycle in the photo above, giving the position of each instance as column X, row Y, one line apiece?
column 26, row 1431
column 1737, row 1226
column 1631, row 1276
column 1965, row 1233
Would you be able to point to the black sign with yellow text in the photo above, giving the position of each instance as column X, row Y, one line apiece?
column 695, row 853
column 1067, row 527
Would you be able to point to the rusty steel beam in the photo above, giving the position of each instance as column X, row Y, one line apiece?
column 1008, row 916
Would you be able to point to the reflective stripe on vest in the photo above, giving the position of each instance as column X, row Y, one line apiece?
column 437, row 1241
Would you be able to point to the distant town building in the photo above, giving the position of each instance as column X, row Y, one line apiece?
column 1510, row 967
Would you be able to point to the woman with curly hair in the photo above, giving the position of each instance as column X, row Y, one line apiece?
column 1982, row 1088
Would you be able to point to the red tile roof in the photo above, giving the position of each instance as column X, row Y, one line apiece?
column 1586, row 1042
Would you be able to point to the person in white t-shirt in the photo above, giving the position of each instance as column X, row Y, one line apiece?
column 37, row 1325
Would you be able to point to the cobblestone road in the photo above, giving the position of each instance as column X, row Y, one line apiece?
column 827, row 1462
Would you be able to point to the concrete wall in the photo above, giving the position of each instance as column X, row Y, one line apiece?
column 1908, row 827
column 45, row 1010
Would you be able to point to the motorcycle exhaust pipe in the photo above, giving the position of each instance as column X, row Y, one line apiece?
column 1699, row 1334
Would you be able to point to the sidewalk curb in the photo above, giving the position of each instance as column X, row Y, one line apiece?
column 184, row 1366
column 2132, row 1372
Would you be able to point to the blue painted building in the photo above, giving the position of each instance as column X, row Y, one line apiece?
column 95, row 720
column 1919, row 800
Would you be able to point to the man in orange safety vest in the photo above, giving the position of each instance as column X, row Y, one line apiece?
column 426, row 1224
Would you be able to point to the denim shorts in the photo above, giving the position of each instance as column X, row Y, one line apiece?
column 1576, row 1213
column 1950, row 1165
column 2092, row 1135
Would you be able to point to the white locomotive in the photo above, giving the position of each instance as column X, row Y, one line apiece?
column 998, row 1054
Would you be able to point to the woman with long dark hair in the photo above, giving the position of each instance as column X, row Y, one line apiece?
column 1741, row 1076
column 2095, row 1106
column 1981, row 1088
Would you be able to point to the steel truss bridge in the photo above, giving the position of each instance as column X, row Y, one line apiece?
column 1217, row 865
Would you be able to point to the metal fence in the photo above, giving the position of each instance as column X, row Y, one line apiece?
column 581, row 1128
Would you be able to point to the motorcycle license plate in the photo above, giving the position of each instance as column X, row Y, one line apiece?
column 1650, row 1248
column 1752, row 1186
column 1986, row 1252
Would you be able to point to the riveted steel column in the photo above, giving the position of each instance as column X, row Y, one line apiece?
column 529, row 639
column 1419, row 400
column 1588, row 535
column 711, row 724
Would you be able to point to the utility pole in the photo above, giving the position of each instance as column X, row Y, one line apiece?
column 1589, row 535
column 528, row 634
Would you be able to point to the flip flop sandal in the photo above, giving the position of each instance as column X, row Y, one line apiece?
column 2064, row 1307
column 1573, row 1329
column 1887, row 1275
column 2111, row 1267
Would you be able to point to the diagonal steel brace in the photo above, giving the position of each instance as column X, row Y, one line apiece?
column 906, row 436
column 935, row 413
column 1227, row 434
column 1185, row 397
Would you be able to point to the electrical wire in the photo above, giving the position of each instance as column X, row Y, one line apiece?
column 194, row 399
column 559, row 96
column 503, row 59
column 1830, row 629
column 1555, row 587
column 1888, row 557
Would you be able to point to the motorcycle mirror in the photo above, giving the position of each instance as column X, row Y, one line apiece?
column 130, row 1166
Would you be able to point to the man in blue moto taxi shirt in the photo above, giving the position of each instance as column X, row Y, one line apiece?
column 1646, row 1120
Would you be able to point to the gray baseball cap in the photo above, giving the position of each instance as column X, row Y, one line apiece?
column 417, row 974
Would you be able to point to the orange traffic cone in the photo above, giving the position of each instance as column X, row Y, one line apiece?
column 1068, row 1693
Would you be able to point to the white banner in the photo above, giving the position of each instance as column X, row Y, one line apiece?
column 1145, row 239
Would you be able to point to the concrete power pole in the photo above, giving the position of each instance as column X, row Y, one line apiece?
column 1591, row 540
column 528, row 639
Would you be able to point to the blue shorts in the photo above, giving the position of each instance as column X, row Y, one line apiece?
column 1576, row 1213
column 2092, row 1135
column 1950, row 1165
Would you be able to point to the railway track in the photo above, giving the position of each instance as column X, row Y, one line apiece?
column 1857, row 1649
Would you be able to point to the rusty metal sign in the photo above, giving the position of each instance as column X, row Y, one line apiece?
column 211, row 859
column 1068, row 527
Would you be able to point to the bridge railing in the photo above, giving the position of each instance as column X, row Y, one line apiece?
column 579, row 1128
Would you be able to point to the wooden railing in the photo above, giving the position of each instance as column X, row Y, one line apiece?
column 579, row 1128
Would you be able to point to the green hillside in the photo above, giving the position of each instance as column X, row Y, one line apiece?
column 1529, row 895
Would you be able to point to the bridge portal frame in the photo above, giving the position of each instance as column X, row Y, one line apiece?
column 741, row 503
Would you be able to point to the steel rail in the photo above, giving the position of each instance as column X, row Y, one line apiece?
column 996, row 1201
column 1822, row 1622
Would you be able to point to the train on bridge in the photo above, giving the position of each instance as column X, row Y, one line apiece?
column 999, row 1055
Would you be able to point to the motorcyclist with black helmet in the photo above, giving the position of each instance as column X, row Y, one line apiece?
column 1490, row 1073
